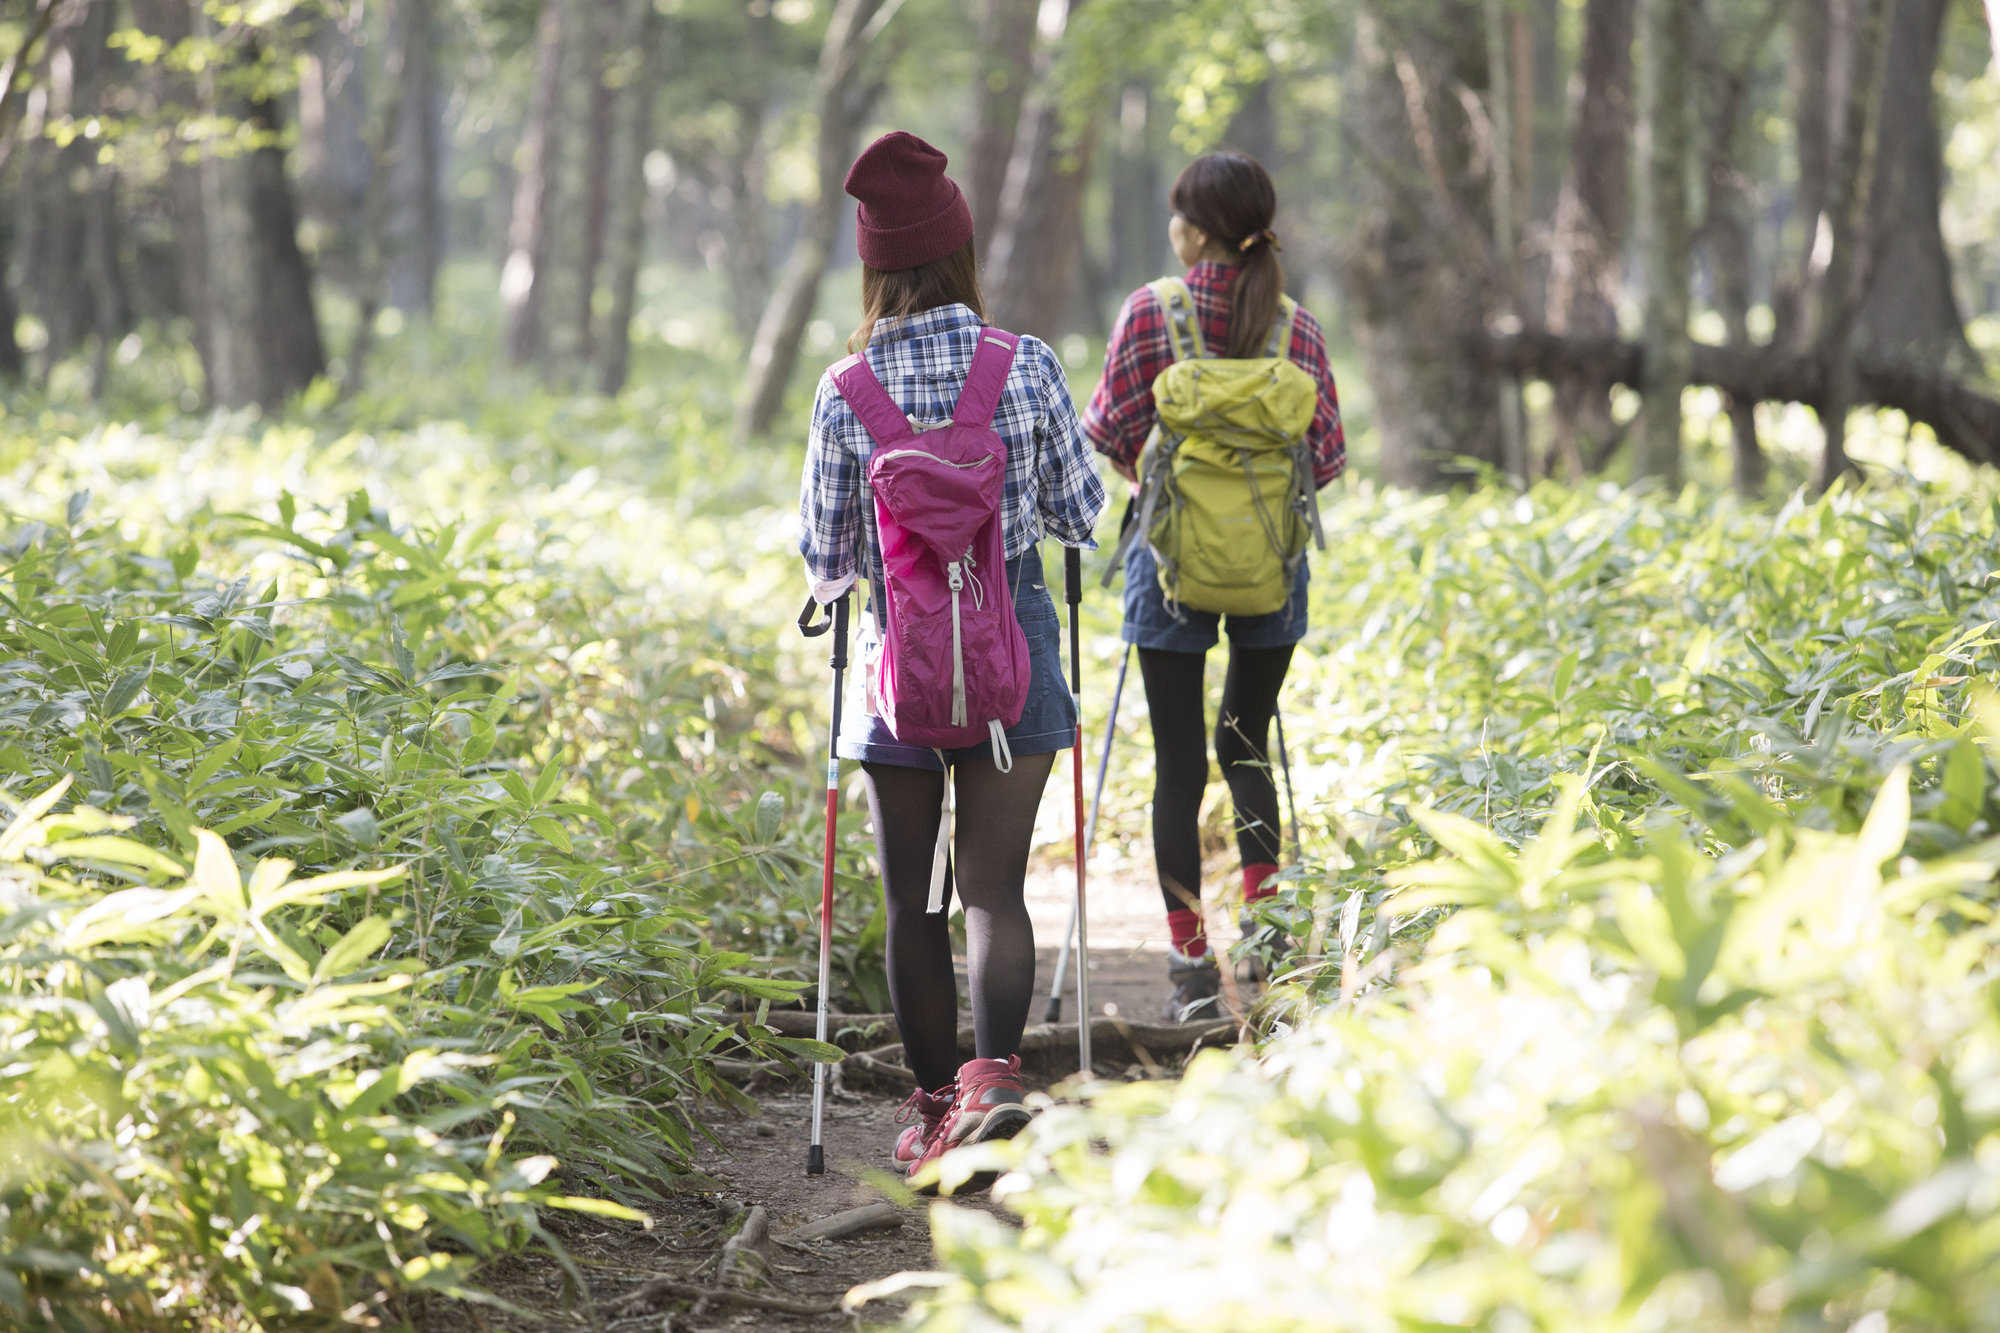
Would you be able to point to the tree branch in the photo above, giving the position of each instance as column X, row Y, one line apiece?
column 1964, row 419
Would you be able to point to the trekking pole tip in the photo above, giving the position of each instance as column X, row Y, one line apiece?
column 816, row 1160
column 1053, row 1014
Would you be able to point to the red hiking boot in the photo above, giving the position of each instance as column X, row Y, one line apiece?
column 928, row 1109
column 990, row 1105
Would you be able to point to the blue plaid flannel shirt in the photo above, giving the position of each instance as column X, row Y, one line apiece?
column 1052, row 486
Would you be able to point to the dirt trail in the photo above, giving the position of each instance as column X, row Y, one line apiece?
column 759, row 1162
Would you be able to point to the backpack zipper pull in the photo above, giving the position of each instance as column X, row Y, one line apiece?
column 956, row 581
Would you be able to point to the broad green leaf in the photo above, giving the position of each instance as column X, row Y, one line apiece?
column 1964, row 785
column 596, row 1207
column 546, row 784
column 480, row 743
column 770, row 814
column 216, row 875
column 1565, row 672
column 211, row 764
column 353, row 949
column 551, row 829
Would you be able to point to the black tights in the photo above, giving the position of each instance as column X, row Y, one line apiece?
column 1180, row 759
column 995, row 823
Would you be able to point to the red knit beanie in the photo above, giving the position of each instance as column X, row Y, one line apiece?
column 911, row 213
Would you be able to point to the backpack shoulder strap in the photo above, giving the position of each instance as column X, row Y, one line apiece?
column 1183, row 328
column 856, row 382
column 980, row 398
column 1280, row 343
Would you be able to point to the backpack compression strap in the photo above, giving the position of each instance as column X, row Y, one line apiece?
column 883, row 420
column 980, row 398
column 1184, row 341
column 1183, row 329
column 1280, row 342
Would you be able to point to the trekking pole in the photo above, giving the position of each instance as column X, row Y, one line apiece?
column 835, row 620
column 1285, row 762
column 1053, row 1014
column 1073, row 594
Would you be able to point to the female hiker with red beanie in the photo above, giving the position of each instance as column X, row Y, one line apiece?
column 1223, row 206
column 923, row 323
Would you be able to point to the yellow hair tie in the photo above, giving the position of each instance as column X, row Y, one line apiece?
column 1265, row 235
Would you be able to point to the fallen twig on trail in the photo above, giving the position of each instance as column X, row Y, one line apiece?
column 746, row 1247
column 658, row 1287
column 878, row 1216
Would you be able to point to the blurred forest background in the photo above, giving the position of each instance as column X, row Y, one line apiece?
column 403, row 731
column 1530, row 224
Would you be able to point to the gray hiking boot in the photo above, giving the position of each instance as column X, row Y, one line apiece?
column 1197, row 988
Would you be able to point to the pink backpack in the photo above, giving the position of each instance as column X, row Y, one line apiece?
column 954, row 669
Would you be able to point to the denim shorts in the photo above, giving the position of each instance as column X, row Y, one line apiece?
column 1048, row 722
column 1151, row 623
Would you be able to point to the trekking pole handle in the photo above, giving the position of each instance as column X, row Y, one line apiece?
column 833, row 617
column 806, row 625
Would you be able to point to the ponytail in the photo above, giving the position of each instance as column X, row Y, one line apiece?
column 1231, row 197
column 1253, row 305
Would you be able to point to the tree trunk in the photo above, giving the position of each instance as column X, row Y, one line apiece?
column 244, row 281
column 602, row 20
column 12, row 364
column 384, row 150
column 416, row 217
column 843, row 97
column 1663, row 205
column 59, row 179
column 524, row 277
column 1846, row 270
column 1501, row 109
column 229, row 290
column 1726, row 227
column 1253, row 130
column 1139, row 251
column 290, row 355
column 334, row 144
column 746, row 256
column 170, row 95
column 1587, row 255
column 1418, row 264
column 1811, row 51
column 1031, row 263
column 1909, row 305
column 628, row 176
column 107, row 290
column 1007, row 42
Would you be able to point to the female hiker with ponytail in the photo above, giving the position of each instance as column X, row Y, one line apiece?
column 1223, row 205
column 900, row 441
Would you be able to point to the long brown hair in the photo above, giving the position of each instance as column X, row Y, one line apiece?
column 1230, row 196
column 911, row 291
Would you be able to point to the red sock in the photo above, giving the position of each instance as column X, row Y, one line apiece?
column 1185, row 927
column 1260, row 881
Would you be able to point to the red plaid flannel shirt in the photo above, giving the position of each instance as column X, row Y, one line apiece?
column 1121, row 411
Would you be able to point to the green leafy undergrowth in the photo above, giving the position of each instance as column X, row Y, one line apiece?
column 229, row 1127
column 1626, row 1084
column 499, row 761
column 1688, row 657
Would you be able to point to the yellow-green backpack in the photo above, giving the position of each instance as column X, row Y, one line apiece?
column 1227, row 501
